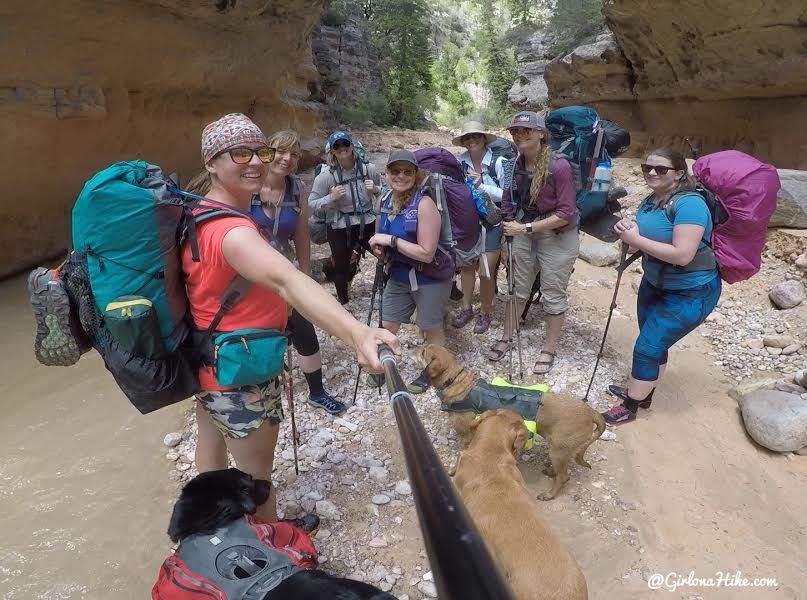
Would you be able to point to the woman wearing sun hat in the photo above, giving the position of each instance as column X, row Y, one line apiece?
column 345, row 192
column 245, row 419
column 484, row 173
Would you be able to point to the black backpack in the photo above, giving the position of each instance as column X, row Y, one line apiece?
column 504, row 148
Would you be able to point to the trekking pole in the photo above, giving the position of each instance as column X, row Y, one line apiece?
column 623, row 264
column 462, row 567
column 513, row 311
column 379, row 274
column 289, row 385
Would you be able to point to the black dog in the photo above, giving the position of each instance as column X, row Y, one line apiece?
column 214, row 499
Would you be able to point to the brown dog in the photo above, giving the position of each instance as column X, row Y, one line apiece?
column 569, row 426
column 529, row 556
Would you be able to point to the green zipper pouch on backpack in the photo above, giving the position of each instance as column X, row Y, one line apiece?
column 248, row 356
column 133, row 324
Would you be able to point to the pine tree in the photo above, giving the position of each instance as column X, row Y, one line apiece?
column 499, row 60
column 401, row 33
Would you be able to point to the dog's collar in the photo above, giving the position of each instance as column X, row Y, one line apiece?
column 450, row 381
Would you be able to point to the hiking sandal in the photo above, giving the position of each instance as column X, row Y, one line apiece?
column 542, row 367
column 498, row 350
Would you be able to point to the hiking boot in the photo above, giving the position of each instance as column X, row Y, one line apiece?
column 622, row 393
column 462, row 317
column 376, row 381
column 419, row 385
column 482, row 323
column 308, row 523
column 58, row 339
column 327, row 403
column 456, row 293
column 621, row 413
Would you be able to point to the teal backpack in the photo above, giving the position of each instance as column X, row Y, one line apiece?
column 124, row 276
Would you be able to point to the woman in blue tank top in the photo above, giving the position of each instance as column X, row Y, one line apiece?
column 421, row 274
column 280, row 212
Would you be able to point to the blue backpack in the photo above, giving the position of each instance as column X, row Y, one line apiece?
column 125, row 276
column 574, row 132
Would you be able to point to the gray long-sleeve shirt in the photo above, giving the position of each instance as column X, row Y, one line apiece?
column 356, row 202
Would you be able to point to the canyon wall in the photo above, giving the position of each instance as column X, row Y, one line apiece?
column 84, row 84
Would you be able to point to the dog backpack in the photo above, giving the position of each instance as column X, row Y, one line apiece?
column 125, row 276
column 740, row 192
column 241, row 561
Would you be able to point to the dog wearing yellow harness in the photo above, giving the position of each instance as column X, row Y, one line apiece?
column 569, row 426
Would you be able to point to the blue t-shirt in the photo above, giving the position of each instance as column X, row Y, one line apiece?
column 285, row 220
column 654, row 224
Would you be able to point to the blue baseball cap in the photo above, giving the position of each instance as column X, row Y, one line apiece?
column 337, row 136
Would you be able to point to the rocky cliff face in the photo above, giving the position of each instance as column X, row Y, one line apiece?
column 726, row 73
column 89, row 83
column 346, row 59
column 529, row 92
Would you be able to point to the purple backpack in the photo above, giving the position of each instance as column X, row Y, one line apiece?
column 455, row 196
column 745, row 191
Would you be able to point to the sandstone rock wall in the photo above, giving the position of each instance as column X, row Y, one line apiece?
column 347, row 60
column 725, row 73
column 86, row 83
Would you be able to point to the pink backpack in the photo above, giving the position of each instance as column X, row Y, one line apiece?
column 741, row 195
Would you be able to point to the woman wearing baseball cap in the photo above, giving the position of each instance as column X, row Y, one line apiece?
column 345, row 192
column 244, row 419
column 420, row 273
column 541, row 205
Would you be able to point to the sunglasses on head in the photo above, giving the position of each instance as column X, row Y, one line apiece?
column 243, row 156
column 341, row 144
column 408, row 171
column 660, row 169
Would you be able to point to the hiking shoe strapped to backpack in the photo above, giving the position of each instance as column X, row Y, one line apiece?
column 59, row 340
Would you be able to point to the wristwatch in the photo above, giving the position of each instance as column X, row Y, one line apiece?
column 393, row 242
column 528, row 227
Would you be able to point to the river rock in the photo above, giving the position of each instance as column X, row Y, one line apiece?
column 327, row 510
column 800, row 378
column 755, row 343
column 775, row 419
column 380, row 499
column 787, row 294
column 379, row 474
column 801, row 262
column 790, row 388
column 402, row 488
column 598, row 253
column 428, row 589
column 791, row 201
column 172, row 439
column 777, row 341
column 791, row 349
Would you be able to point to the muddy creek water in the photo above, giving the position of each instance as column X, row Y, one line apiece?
column 84, row 493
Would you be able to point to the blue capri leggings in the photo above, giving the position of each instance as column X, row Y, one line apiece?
column 666, row 316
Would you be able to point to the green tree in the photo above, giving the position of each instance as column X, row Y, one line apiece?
column 576, row 20
column 526, row 12
column 401, row 33
column 498, row 59
column 448, row 73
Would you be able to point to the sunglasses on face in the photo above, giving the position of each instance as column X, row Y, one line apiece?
column 341, row 144
column 521, row 132
column 659, row 169
column 243, row 156
column 395, row 172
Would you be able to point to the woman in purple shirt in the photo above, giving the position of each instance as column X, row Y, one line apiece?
column 542, row 205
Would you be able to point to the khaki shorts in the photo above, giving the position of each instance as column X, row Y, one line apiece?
column 429, row 299
column 240, row 411
column 551, row 254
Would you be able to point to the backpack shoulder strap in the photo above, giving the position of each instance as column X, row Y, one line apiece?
column 672, row 203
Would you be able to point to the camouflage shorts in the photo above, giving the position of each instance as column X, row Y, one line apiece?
column 240, row 411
